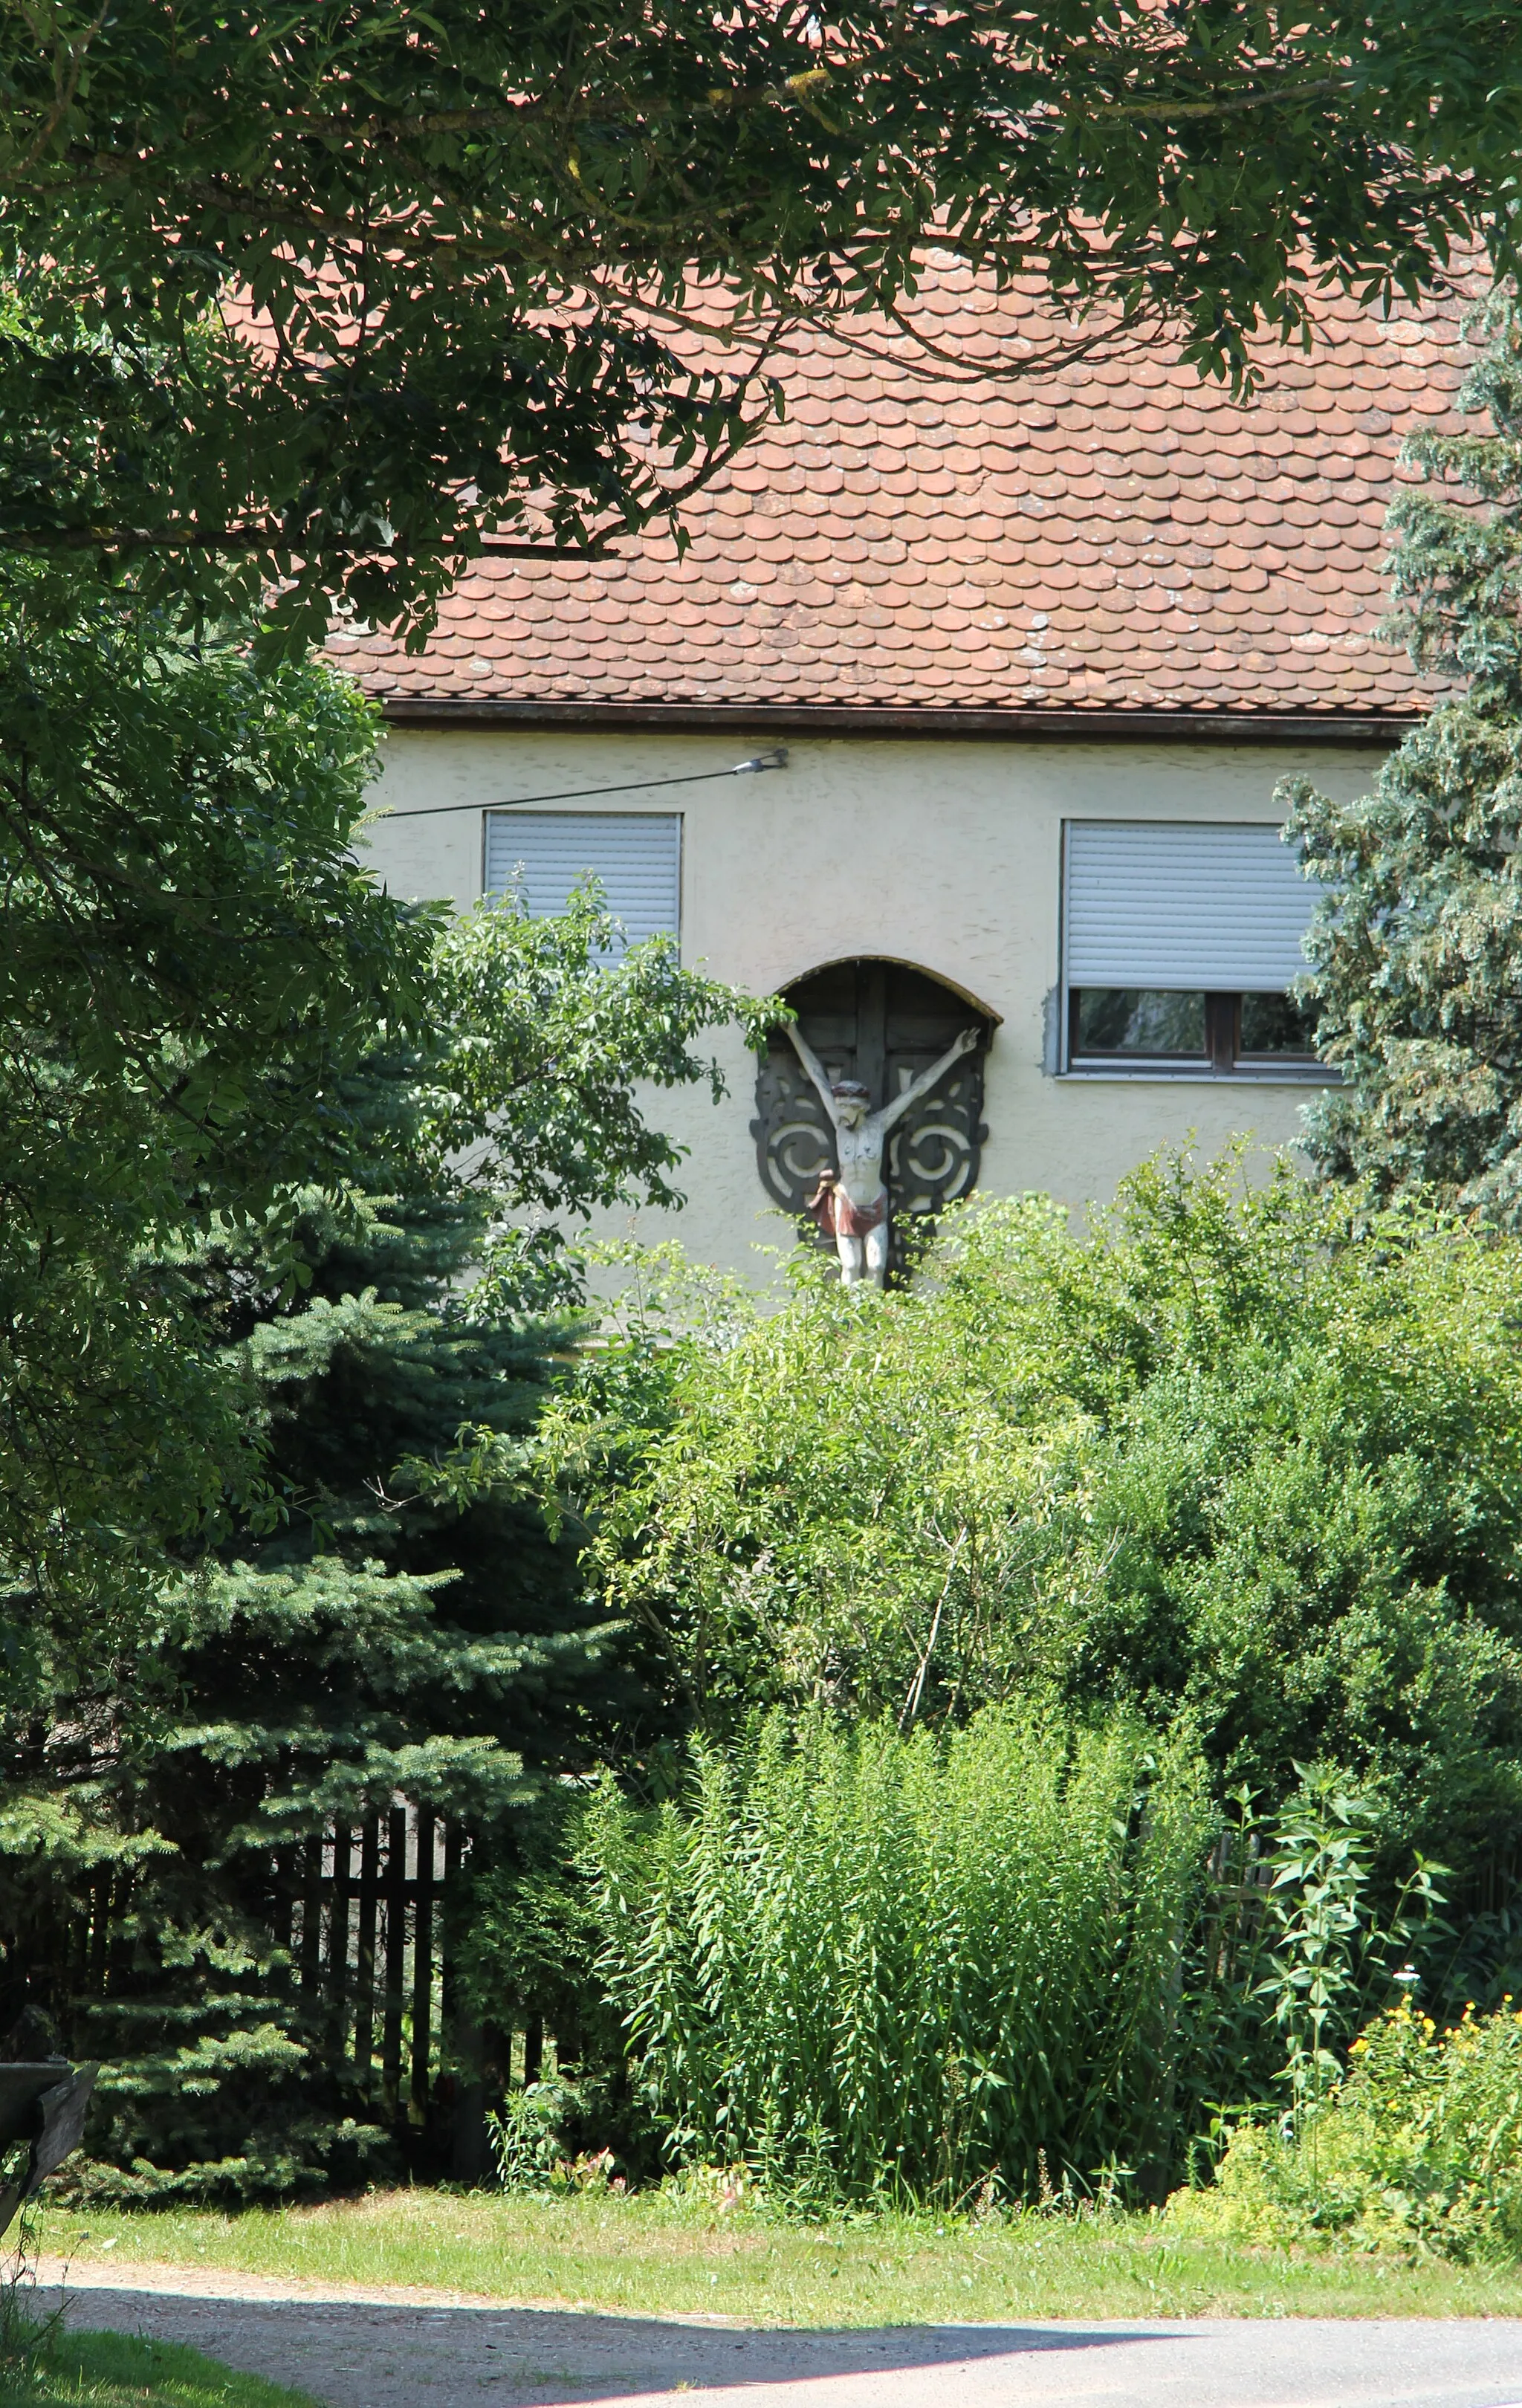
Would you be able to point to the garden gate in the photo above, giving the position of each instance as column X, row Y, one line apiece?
column 363, row 1912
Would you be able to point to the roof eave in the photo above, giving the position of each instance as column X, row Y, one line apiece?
column 1151, row 725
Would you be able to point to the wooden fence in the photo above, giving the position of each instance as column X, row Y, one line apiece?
column 361, row 1912
column 365, row 1913
column 367, row 1916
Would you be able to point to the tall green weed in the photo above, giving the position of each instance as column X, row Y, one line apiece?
column 870, row 1965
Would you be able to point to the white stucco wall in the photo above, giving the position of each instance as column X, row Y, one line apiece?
column 943, row 853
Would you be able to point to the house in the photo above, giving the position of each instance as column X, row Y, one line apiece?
column 1038, row 654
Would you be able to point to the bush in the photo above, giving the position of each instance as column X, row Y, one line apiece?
column 1420, row 2146
column 872, row 1966
column 1253, row 1455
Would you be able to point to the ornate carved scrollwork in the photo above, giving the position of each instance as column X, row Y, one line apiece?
column 883, row 1023
column 794, row 1142
column 933, row 1154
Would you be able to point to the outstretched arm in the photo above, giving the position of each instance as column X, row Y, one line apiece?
column 968, row 1042
column 815, row 1069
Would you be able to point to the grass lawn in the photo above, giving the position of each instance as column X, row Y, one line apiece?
column 654, row 2254
column 117, row 2371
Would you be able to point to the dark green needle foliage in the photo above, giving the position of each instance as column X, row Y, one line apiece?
column 1417, row 947
column 346, row 292
column 371, row 1642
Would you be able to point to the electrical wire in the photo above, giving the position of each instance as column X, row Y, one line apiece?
column 775, row 759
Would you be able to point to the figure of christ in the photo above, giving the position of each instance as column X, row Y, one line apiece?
column 851, row 1204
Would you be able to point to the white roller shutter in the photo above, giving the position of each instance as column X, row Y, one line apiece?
column 636, row 857
column 1167, row 905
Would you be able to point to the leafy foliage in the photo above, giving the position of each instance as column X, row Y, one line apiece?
column 1330, row 1948
column 545, row 2138
column 547, row 1030
column 341, row 297
column 1417, row 944
column 187, row 932
column 1247, row 1456
column 868, row 1965
column 1420, row 2148
column 190, row 961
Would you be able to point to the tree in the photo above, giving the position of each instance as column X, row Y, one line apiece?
column 193, row 964
column 365, row 1644
column 341, row 297
column 392, row 1615
column 1416, row 947
column 190, row 961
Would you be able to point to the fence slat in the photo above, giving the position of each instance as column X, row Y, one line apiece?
column 395, row 1896
column 100, row 1911
column 312, row 1917
column 338, row 1935
column 370, row 1897
column 283, row 1903
column 423, row 1969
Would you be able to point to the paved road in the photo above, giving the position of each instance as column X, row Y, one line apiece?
column 366, row 2352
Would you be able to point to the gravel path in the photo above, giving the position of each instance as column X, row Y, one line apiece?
column 414, row 2349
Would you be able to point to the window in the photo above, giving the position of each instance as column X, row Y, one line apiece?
column 636, row 857
column 1179, row 942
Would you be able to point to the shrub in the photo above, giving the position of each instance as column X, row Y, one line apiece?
column 869, row 1965
column 1420, row 2146
column 1250, row 1455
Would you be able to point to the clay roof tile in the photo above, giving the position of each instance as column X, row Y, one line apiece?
column 1120, row 534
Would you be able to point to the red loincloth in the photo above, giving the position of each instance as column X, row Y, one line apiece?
column 839, row 1217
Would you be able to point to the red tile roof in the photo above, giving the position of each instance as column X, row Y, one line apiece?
column 1118, row 537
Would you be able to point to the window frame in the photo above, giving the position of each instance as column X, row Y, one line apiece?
column 1223, row 1057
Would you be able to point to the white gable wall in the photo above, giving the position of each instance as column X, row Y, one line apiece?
column 945, row 853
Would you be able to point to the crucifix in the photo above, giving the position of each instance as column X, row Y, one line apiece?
column 851, row 1203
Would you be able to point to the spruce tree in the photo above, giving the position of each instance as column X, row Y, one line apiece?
column 367, row 1641
column 388, row 1616
column 1416, row 946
